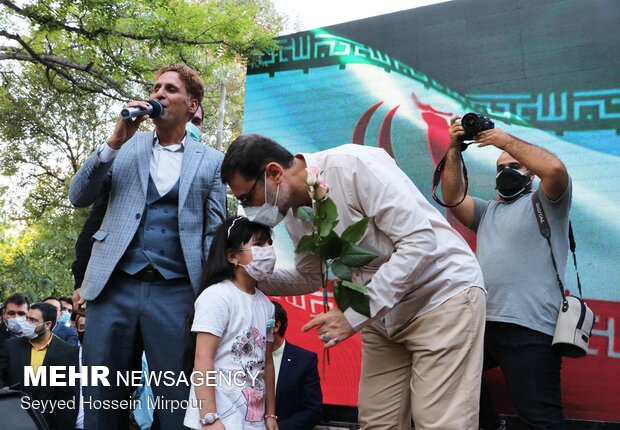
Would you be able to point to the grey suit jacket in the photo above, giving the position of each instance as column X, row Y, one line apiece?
column 202, row 205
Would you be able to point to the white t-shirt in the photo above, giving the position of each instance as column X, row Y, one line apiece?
column 244, row 323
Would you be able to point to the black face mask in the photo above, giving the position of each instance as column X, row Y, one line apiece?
column 81, row 336
column 511, row 183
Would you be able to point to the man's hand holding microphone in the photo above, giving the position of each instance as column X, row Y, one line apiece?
column 133, row 114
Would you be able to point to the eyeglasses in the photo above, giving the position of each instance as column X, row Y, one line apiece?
column 245, row 198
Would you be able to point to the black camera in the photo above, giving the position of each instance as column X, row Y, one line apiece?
column 474, row 123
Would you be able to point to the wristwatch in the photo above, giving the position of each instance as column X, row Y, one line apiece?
column 209, row 418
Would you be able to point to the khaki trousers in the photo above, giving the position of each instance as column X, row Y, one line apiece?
column 430, row 370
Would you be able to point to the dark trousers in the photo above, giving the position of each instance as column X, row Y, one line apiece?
column 130, row 316
column 532, row 372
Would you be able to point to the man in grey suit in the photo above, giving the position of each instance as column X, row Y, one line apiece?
column 166, row 198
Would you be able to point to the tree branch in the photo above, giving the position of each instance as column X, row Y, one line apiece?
column 48, row 21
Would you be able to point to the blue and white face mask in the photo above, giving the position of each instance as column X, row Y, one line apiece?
column 64, row 319
column 193, row 131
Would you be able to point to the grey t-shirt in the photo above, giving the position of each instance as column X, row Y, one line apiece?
column 516, row 259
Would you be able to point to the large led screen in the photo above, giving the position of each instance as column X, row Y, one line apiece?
column 546, row 71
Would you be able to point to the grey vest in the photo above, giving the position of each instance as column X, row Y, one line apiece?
column 157, row 240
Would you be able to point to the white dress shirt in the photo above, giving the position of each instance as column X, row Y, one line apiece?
column 165, row 168
column 422, row 261
column 277, row 360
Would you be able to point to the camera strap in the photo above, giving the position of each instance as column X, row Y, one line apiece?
column 545, row 231
column 439, row 172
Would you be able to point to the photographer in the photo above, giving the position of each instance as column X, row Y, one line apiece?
column 523, row 295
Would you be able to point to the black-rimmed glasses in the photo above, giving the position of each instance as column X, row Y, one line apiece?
column 245, row 198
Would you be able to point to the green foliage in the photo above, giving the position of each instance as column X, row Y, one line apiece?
column 356, row 256
column 355, row 232
column 341, row 270
column 348, row 294
column 306, row 244
column 326, row 217
column 65, row 66
column 109, row 46
column 232, row 205
column 338, row 253
column 329, row 247
column 37, row 259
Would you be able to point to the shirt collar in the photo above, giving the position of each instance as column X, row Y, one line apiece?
column 179, row 147
column 44, row 346
column 278, row 352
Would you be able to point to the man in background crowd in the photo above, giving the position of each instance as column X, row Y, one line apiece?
column 14, row 312
column 78, row 321
column 61, row 328
column 39, row 347
column 66, row 302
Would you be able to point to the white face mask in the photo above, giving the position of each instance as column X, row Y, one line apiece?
column 268, row 214
column 14, row 325
column 29, row 330
column 262, row 264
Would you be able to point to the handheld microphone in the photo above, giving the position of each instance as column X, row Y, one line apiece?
column 154, row 110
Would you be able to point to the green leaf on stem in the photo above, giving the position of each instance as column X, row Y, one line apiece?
column 355, row 232
column 342, row 297
column 329, row 247
column 355, row 287
column 360, row 303
column 306, row 213
column 341, row 271
column 356, row 256
column 350, row 295
column 327, row 216
column 356, row 296
column 306, row 244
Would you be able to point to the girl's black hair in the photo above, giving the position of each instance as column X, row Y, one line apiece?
column 229, row 236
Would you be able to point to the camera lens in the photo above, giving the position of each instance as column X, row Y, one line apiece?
column 470, row 120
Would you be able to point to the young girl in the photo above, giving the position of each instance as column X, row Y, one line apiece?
column 232, row 330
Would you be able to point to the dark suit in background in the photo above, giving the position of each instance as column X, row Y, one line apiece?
column 5, row 335
column 299, row 400
column 67, row 334
column 16, row 355
column 84, row 242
